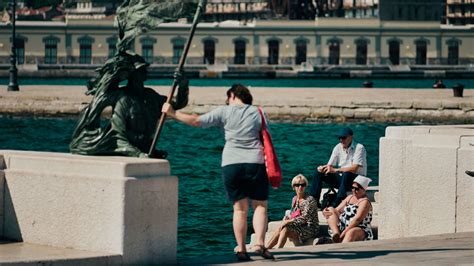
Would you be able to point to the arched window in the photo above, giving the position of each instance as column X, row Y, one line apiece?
column 50, row 49
column 421, row 51
column 334, row 51
column 394, row 52
column 301, row 45
column 178, row 47
column 273, row 51
column 453, row 51
column 85, row 49
column 147, row 48
column 112, row 45
column 209, row 51
column 361, row 51
column 239, row 51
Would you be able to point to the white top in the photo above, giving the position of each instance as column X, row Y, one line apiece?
column 354, row 154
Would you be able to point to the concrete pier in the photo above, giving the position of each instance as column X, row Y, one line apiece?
column 293, row 104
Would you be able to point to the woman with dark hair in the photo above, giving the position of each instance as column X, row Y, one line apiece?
column 243, row 165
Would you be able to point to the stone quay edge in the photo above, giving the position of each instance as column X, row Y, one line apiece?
column 284, row 104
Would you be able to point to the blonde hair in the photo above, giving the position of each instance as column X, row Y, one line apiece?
column 297, row 178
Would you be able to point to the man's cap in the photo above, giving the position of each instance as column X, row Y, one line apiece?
column 344, row 132
column 140, row 64
column 137, row 61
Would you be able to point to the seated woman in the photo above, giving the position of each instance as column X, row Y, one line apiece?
column 302, row 224
column 350, row 221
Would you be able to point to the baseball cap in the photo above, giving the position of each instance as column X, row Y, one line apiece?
column 344, row 132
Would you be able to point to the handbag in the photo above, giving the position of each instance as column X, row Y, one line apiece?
column 329, row 198
column 271, row 161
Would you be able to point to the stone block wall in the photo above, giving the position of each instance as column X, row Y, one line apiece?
column 423, row 186
column 113, row 205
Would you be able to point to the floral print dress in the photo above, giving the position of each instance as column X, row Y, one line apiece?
column 307, row 224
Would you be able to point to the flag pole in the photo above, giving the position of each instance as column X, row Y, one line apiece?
column 182, row 60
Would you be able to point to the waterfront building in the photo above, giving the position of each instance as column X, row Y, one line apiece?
column 460, row 12
column 409, row 10
column 242, row 10
column 348, row 8
column 329, row 41
column 87, row 9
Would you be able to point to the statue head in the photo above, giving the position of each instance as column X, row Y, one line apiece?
column 139, row 69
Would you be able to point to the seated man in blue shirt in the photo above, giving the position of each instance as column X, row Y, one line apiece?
column 348, row 159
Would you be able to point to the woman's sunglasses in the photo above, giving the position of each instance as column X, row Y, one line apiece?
column 356, row 188
column 299, row 185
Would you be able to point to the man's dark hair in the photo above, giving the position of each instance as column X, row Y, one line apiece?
column 241, row 92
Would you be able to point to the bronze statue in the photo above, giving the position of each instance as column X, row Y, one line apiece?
column 135, row 108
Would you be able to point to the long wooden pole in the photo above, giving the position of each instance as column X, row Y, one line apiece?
column 182, row 60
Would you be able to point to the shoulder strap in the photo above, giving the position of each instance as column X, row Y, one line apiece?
column 349, row 200
column 359, row 201
column 260, row 110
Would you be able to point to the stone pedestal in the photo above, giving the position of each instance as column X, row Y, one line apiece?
column 115, row 205
column 423, row 186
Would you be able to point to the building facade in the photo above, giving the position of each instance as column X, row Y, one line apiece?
column 409, row 10
column 459, row 12
column 325, row 42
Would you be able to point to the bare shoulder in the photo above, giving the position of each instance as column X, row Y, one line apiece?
column 364, row 203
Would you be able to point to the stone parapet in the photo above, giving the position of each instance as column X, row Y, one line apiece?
column 113, row 205
column 423, row 187
column 292, row 104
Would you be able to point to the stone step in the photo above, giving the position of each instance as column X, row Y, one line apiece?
column 273, row 225
column 323, row 229
column 372, row 194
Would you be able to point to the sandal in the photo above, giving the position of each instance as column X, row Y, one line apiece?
column 242, row 256
column 263, row 251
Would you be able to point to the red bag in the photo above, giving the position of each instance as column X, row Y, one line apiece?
column 271, row 161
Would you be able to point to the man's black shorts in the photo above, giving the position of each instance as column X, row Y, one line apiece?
column 245, row 180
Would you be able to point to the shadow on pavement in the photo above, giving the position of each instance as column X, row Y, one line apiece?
column 350, row 255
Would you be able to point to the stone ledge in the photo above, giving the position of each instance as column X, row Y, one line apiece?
column 30, row 254
column 72, row 164
column 115, row 205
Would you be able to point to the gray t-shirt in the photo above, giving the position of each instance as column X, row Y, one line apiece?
column 241, row 124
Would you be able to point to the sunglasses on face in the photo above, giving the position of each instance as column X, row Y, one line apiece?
column 342, row 138
column 299, row 185
column 356, row 188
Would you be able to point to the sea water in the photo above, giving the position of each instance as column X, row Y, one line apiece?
column 205, row 216
column 413, row 83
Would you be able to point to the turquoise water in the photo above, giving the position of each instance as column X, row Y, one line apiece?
column 297, row 83
column 204, row 214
